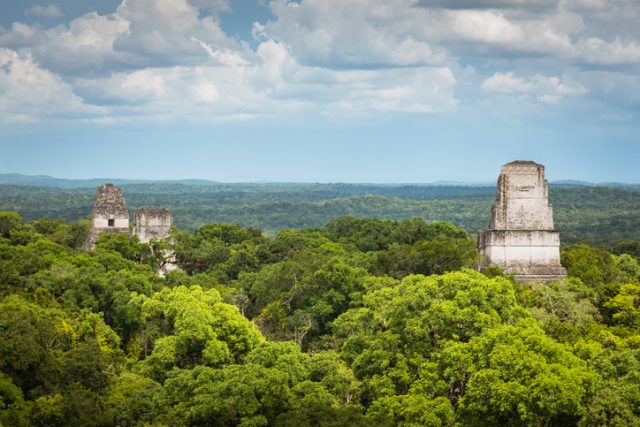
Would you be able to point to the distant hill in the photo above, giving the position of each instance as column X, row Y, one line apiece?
column 49, row 181
column 574, row 183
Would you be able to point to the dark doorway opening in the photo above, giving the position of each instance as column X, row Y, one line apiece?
column 112, row 222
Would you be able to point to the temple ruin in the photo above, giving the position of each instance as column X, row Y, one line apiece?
column 152, row 223
column 108, row 215
column 521, row 238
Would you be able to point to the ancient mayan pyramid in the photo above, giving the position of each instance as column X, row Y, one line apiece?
column 521, row 238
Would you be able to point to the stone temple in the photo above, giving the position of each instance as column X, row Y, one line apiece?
column 109, row 214
column 521, row 238
column 152, row 223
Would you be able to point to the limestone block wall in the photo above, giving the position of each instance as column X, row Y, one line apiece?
column 152, row 223
column 521, row 248
column 522, row 199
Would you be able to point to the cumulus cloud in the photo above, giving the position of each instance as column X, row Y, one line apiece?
column 161, row 32
column 406, row 32
column 597, row 51
column 396, row 32
column 139, row 33
column 20, row 35
column 28, row 92
column 357, row 32
column 49, row 11
column 546, row 89
column 274, row 84
column 86, row 46
column 171, row 58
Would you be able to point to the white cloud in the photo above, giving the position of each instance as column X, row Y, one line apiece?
column 274, row 84
column 223, row 56
column 396, row 32
column 85, row 46
column 476, row 26
column 162, row 32
column 28, row 93
column 597, row 51
column 139, row 33
column 162, row 59
column 545, row 89
column 49, row 11
column 171, row 58
column 20, row 35
column 438, row 32
column 357, row 32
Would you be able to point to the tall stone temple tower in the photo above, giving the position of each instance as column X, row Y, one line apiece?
column 521, row 238
column 152, row 223
column 109, row 214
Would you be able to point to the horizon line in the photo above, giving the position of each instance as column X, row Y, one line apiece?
column 445, row 183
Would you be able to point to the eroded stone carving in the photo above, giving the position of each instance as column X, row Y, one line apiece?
column 521, row 238
column 109, row 214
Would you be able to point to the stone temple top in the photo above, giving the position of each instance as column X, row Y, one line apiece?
column 109, row 214
column 522, row 199
column 521, row 238
column 109, row 201
column 152, row 223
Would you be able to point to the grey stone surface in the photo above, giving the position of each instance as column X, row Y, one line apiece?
column 152, row 223
column 109, row 214
column 521, row 238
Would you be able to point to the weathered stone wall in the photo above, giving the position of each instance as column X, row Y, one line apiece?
column 108, row 215
column 152, row 223
column 522, row 199
column 521, row 238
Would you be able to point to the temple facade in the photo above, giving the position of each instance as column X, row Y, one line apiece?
column 152, row 223
column 521, row 238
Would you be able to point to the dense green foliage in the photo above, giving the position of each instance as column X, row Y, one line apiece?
column 362, row 322
column 601, row 215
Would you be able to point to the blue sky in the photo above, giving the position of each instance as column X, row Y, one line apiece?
column 320, row 90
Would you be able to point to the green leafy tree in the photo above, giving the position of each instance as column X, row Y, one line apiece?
column 518, row 375
column 131, row 400
column 246, row 395
column 9, row 221
column 626, row 306
column 190, row 326
column 14, row 411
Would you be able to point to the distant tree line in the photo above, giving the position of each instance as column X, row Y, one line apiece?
column 599, row 215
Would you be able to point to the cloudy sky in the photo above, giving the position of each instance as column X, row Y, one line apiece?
column 320, row 90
